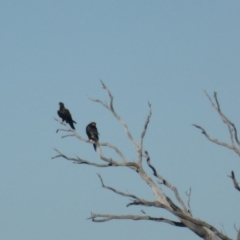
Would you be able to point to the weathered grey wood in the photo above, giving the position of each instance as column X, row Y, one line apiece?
column 183, row 211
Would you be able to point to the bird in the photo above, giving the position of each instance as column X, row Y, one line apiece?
column 92, row 133
column 65, row 115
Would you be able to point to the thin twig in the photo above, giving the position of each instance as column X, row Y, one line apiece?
column 108, row 217
column 189, row 198
column 236, row 185
column 116, row 191
column 143, row 134
column 230, row 125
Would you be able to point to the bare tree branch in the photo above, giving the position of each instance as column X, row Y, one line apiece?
column 60, row 129
column 236, row 185
column 165, row 182
column 111, row 109
column 185, row 215
column 226, row 120
column 75, row 134
column 233, row 137
column 146, row 124
column 137, row 201
column 143, row 134
column 105, row 217
column 111, row 163
column 216, row 140
column 79, row 160
column 68, row 135
column 231, row 127
column 192, row 220
column 223, row 117
column 116, row 191
column 189, row 198
column 115, row 149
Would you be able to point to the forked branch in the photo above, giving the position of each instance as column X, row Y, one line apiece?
column 136, row 201
column 111, row 109
column 110, row 161
column 75, row 134
column 231, row 127
column 216, row 140
column 79, row 160
column 165, row 182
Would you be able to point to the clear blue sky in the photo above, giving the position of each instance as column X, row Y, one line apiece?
column 165, row 52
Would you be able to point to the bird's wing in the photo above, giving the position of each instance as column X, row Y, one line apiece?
column 60, row 114
column 67, row 113
column 94, row 133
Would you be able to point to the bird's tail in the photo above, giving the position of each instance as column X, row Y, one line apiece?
column 74, row 121
column 71, row 124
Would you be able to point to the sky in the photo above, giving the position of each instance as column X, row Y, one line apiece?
column 162, row 52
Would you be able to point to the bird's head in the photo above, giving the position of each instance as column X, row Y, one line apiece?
column 61, row 104
column 93, row 124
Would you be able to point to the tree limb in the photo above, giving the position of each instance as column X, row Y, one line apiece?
column 111, row 163
column 111, row 109
column 231, row 127
column 105, row 217
column 232, row 147
column 137, row 201
column 79, row 160
column 75, row 134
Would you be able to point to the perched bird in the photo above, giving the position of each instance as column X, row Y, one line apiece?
column 65, row 115
column 92, row 133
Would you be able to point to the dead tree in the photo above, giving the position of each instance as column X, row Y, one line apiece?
column 177, row 207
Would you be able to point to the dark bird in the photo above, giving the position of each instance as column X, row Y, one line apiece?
column 65, row 115
column 92, row 133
